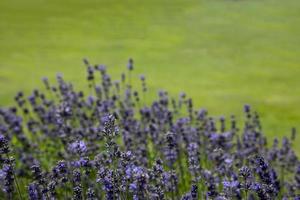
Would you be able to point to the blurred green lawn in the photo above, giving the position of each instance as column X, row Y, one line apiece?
column 223, row 53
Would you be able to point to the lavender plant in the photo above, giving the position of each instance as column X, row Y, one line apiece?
column 108, row 143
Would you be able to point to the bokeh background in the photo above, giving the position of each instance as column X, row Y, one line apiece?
column 223, row 53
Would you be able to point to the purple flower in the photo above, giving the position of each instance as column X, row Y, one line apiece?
column 130, row 64
column 142, row 77
column 33, row 192
column 231, row 184
column 4, row 147
column 7, row 173
column 171, row 149
column 77, row 190
column 247, row 108
column 194, row 159
column 78, row 147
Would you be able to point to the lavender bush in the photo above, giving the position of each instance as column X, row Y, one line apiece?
column 107, row 143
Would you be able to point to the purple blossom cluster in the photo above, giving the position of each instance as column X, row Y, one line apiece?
column 108, row 143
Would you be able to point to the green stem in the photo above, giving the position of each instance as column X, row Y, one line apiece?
column 246, row 189
column 15, row 178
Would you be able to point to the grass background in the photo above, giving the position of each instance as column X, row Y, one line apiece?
column 223, row 53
